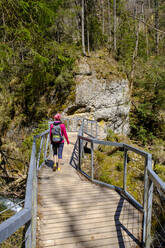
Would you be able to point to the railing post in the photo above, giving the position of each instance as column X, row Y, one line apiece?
column 28, row 238
column 39, row 152
column 73, row 125
column 79, row 154
column 148, row 192
column 149, row 214
column 34, row 207
column 125, row 170
column 76, row 119
column 92, row 165
column 145, row 200
column 46, row 150
column 44, row 145
column 29, row 194
column 76, row 125
column 96, row 130
column 82, row 141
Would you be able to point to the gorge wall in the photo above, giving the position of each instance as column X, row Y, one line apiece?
column 101, row 97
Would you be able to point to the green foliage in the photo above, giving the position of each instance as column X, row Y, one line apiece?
column 160, row 170
column 111, row 136
column 109, row 165
column 126, row 39
column 119, row 166
column 96, row 36
column 6, row 54
column 147, row 121
column 109, row 168
column 29, row 52
column 27, row 143
column 16, row 239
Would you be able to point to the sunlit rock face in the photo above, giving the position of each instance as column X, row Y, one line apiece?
column 103, row 99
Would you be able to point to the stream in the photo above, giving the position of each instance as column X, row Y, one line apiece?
column 11, row 203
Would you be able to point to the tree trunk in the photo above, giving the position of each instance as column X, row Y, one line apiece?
column 82, row 26
column 135, row 51
column 156, row 26
column 4, row 25
column 142, row 15
column 114, row 24
column 88, row 42
column 147, row 43
column 103, row 25
column 109, row 24
column 149, row 4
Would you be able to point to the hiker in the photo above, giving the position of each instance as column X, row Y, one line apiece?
column 57, row 134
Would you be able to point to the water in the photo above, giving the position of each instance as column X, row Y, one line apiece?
column 11, row 203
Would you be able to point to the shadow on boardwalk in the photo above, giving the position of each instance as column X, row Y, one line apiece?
column 75, row 213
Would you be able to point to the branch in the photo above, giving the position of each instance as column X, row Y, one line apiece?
column 150, row 26
column 15, row 183
column 7, row 157
column 134, row 105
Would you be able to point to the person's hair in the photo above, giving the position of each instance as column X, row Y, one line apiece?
column 57, row 117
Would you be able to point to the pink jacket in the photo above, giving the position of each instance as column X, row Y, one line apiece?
column 63, row 132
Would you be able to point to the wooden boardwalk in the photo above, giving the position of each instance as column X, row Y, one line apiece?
column 74, row 213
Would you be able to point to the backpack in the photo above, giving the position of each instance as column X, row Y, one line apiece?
column 56, row 133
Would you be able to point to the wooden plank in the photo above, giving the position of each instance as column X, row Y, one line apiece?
column 67, row 201
column 108, row 231
column 83, row 211
column 62, row 186
column 105, row 243
column 63, row 227
column 52, row 213
column 87, row 240
column 55, row 196
column 46, row 193
column 64, row 193
column 54, row 218
column 91, row 204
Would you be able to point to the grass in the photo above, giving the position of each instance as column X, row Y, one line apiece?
column 16, row 240
column 105, row 66
column 109, row 166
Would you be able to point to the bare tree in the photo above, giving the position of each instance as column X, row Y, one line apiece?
column 109, row 22
column 82, row 28
column 4, row 26
column 114, row 24
column 142, row 14
column 135, row 52
column 103, row 24
column 147, row 43
column 156, row 4
column 149, row 4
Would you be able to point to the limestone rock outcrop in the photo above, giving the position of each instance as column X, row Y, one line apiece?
column 102, row 99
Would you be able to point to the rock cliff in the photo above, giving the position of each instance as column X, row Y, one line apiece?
column 101, row 97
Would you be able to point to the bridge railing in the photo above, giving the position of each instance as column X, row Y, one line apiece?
column 27, row 216
column 151, row 179
column 41, row 151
